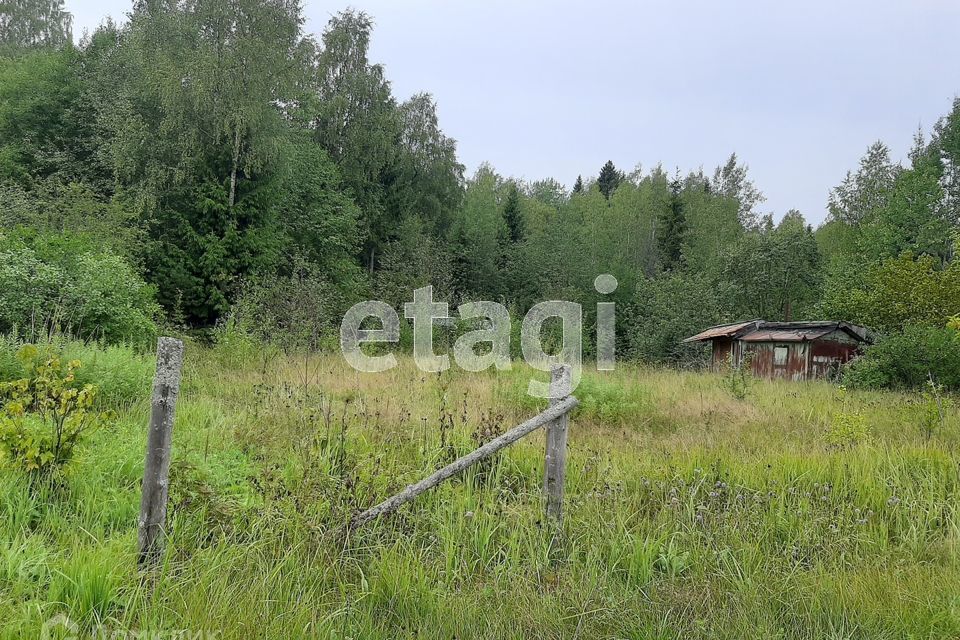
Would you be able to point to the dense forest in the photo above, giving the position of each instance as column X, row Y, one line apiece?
column 208, row 165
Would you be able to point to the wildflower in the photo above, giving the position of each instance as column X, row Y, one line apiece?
column 468, row 515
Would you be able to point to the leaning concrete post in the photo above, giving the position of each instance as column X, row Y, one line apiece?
column 156, row 472
column 555, row 470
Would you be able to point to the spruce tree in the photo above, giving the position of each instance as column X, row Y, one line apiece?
column 673, row 226
column 513, row 215
column 578, row 185
column 609, row 179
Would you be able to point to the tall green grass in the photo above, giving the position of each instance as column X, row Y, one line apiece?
column 689, row 513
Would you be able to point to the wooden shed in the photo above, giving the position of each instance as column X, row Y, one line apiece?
column 787, row 350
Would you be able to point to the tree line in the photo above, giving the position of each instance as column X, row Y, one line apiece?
column 223, row 165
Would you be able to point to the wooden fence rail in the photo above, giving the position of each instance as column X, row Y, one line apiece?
column 555, row 418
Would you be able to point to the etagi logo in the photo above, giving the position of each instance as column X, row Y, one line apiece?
column 496, row 323
column 61, row 627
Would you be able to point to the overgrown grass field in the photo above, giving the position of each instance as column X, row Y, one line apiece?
column 796, row 511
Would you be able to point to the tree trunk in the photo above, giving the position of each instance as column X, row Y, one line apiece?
column 233, row 170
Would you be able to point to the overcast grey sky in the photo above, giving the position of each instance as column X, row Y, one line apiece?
column 555, row 88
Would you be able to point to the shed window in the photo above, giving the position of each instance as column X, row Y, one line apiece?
column 780, row 353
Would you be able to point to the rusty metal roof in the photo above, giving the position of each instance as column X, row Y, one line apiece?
column 762, row 331
column 725, row 331
column 785, row 335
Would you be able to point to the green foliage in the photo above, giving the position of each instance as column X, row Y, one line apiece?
column 907, row 360
column 731, row 182
column 611, row 402
column 413, row 260
column 712, row 226
column 513, row 215
column 426, row 178
column 862, row 195
column 672, row 229
column 738, row 376
column 44, row 415
column 50, row 209
column 914, row 218
column 356, row 120
column 666, row 310
column 476, row 235
column 120, row 373
column 609, row 179
column 55, row 283
column 954, row 323
column 321, row 221
column 774, row 272
column 26, row 24
column 87, row 583
column 933, row 409
column 895, row 293
column 297, row 311
column 44, row 126
column 848, row 427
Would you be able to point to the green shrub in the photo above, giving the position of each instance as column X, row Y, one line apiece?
column 907, row 360
column 848, row 428
column 120, row 374
column 297, row 311
column 93, row 294
column 44, row 416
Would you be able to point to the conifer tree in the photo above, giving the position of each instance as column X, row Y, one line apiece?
column 673, row 226
column 609, row 179
column 513, row 215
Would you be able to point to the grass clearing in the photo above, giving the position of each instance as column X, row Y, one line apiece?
column 689, row 513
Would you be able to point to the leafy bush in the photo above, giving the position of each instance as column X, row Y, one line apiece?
column 898, row 292
column 738, row 376
column 44, row 416
column 120, row 374
column 908, row 359
column 848, row 428
column 301, row 310
column 92, row 294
